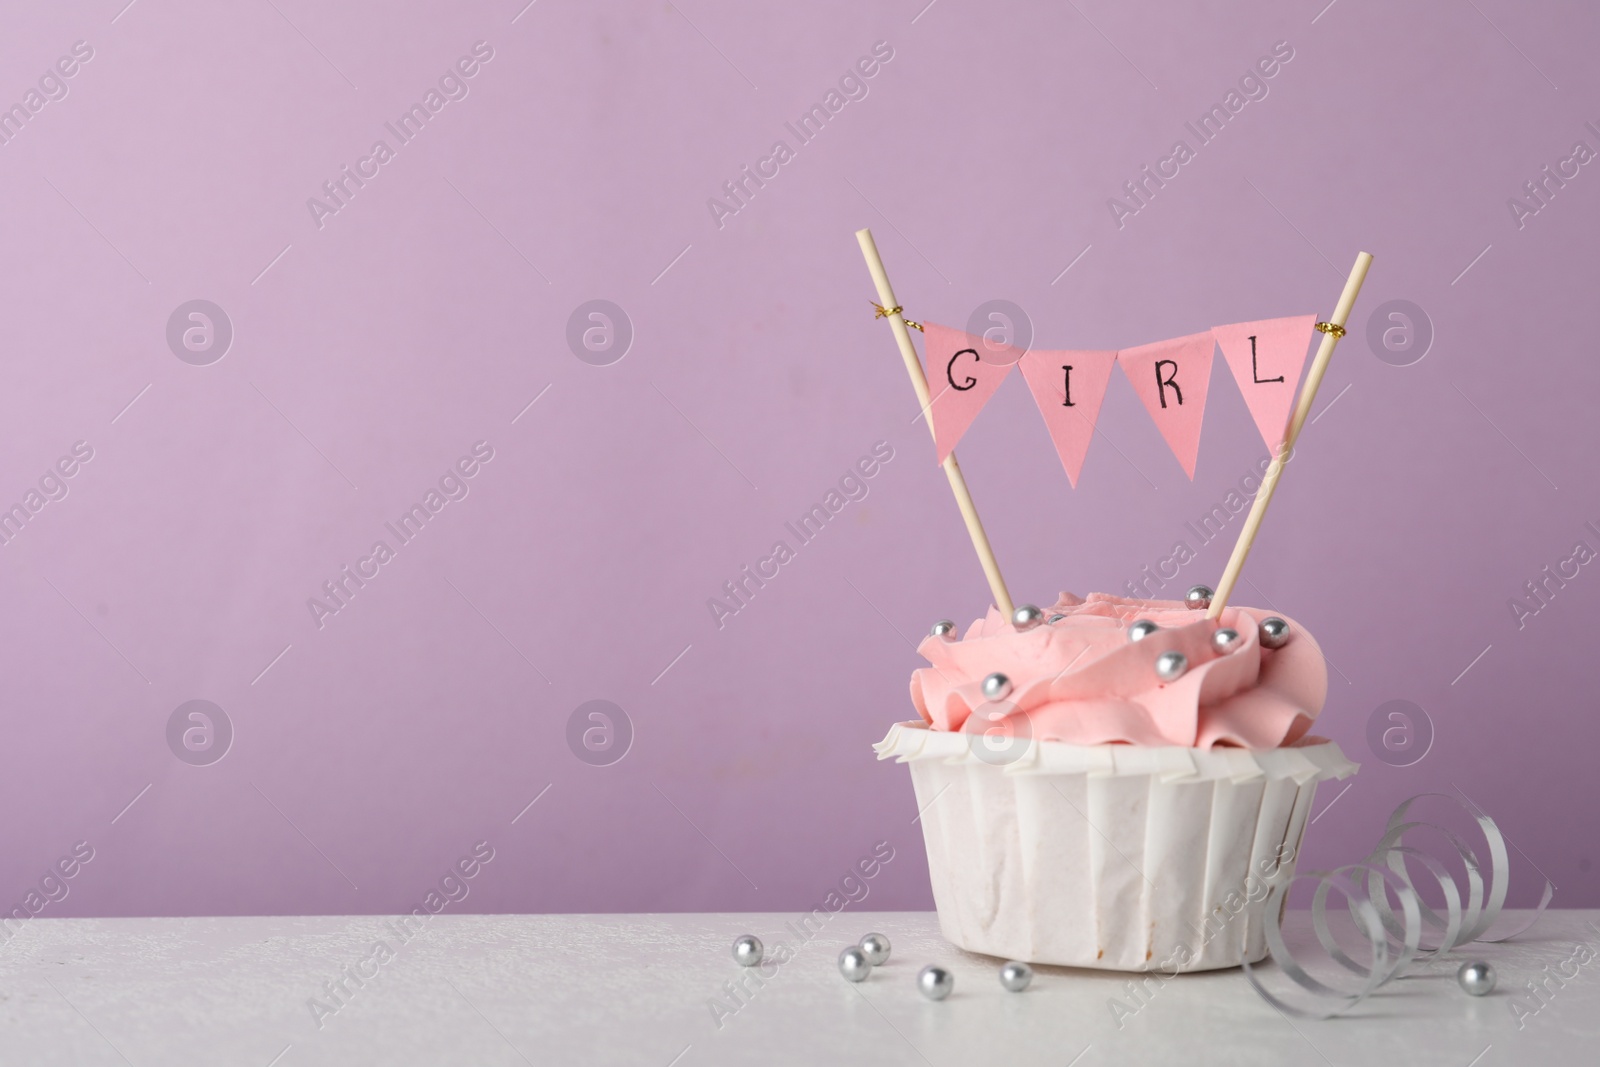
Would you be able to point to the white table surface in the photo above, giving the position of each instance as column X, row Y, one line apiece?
column 601, row 989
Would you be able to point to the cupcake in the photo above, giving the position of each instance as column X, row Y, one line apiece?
column 1117, row 785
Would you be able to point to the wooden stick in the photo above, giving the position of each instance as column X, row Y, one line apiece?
column 919, row 382
column 1308, row 394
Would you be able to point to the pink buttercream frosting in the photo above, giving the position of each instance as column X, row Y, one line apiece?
column 1082, row 681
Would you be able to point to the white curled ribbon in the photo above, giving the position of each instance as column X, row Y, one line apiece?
column 1394, row 941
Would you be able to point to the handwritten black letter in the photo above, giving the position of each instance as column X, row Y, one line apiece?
column 1254, row 374
column 949, row 371
column 1162, row 383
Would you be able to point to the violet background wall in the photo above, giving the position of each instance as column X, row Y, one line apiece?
column 372, row 348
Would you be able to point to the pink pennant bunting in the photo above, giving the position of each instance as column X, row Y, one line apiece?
column 1172, row 378
column 963, row 373
column 1068, row 386
column 1267, row 358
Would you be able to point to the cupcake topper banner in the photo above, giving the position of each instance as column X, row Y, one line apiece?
column 1266, row 359
column 1068, row 387
column 1172, row 379
column 919, row 383
column 1331, row 331
column 1160, row 373
column 966, row 371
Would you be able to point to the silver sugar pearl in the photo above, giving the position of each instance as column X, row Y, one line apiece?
column 747, row 950
column 1224, row 639
column 1199, row 596
column 854, row 965
column 943, row 628
column 935, row 982
column 1171, row 665
column 1141, row 630
column 1476, row 978
column 876, row 946
column 997, row 686
column 1015, row 976
column 1052, row 620
column 1027, row 617
column 1274, row 632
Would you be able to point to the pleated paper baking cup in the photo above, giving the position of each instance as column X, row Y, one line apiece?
column 1112, row 856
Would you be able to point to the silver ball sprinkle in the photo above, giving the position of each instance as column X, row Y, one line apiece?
column 997, row 686
column 1476, row 978
column 1224, row 639
column 1141, row 630
column 747, row 950
column 1052, row 620
column 1027, row 617
column 876, row 946
column 935, row 983
column 943, row 628
column 1199, row 596
column 1171, row 665
column 854, row 965
column 1016, row 976
column 1274, row 632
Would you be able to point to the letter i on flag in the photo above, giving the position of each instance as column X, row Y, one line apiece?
column 1068, row 386
column 1267, row 358
column 1172, row 378
column 963, row 373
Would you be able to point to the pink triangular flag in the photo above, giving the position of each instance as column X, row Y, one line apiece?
column 1068, row 386
column 1172, row 378
column 1267, row 358
column 963, row 373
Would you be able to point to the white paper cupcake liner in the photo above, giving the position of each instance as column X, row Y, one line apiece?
column 1111, row 856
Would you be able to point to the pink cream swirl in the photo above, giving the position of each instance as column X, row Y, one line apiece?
column 1082, row 681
